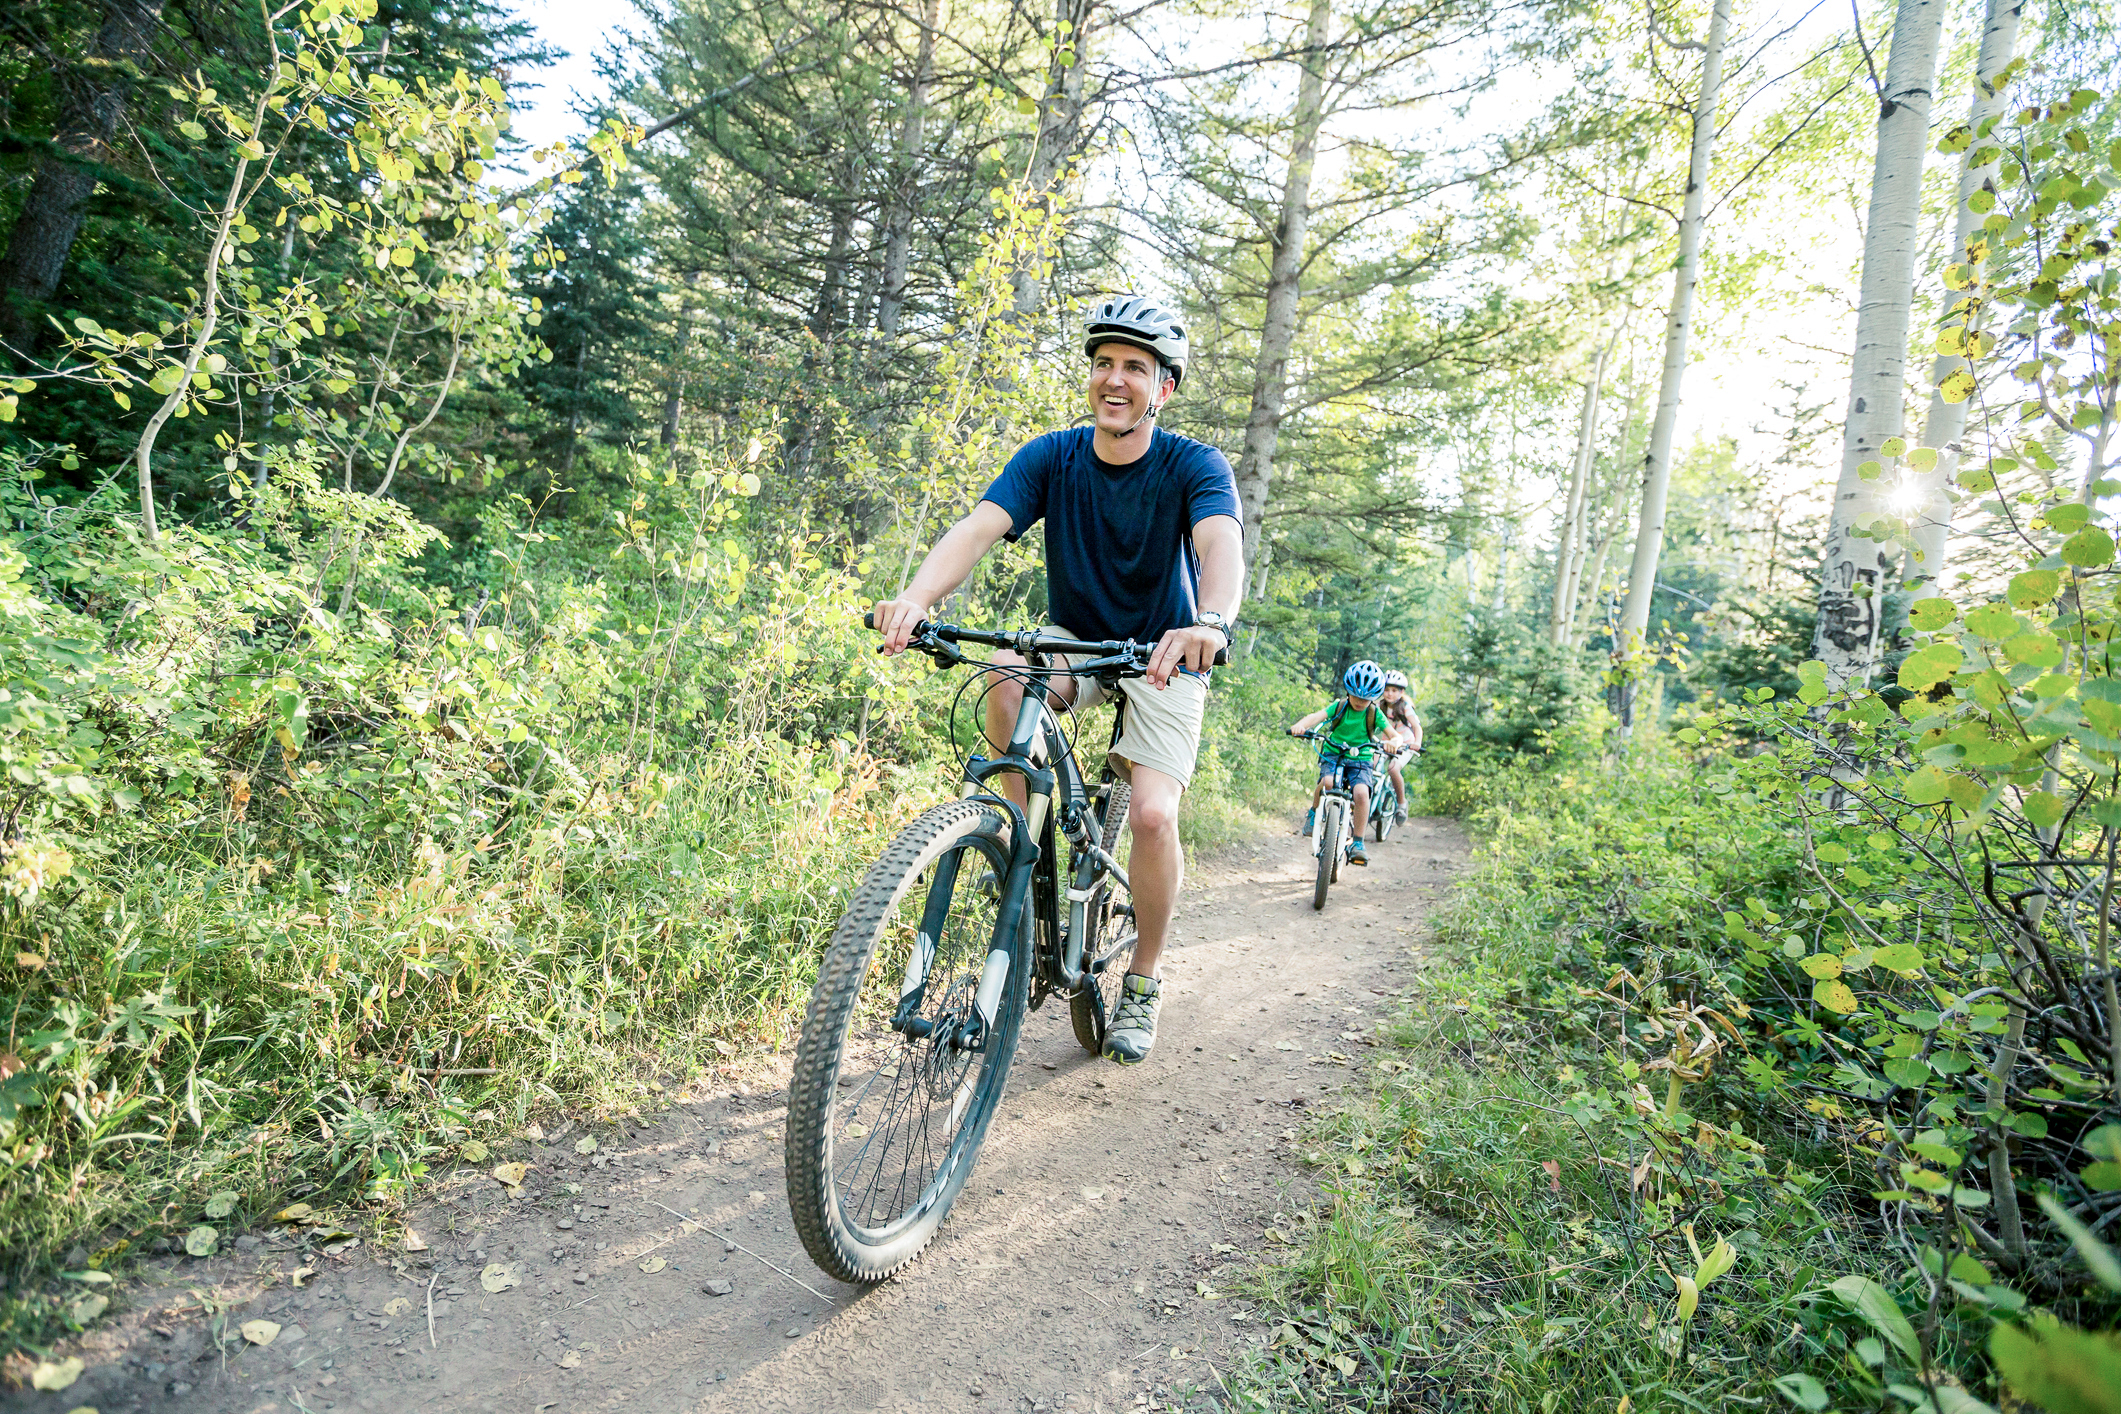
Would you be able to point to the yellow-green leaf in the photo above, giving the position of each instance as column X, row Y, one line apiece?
column 1834, row 995
column 1822, row 965
column 2089, row 548
column 1956, row 386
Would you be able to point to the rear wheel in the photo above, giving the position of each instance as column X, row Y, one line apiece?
column 1109, row 948
column 1386, row 810
column 884, row 1126
column 1328, row 852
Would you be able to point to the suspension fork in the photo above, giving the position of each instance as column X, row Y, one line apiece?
column 1026, row 756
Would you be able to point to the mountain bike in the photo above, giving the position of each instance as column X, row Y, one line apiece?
column 1331, row 836
column 1384, row 799
column 961, row 927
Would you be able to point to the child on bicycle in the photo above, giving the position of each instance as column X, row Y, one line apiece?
column 1354, row 727
column 1406, row 723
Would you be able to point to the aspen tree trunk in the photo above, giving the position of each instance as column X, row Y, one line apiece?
column 1945, row 423
column 1657, row 460
column 1270, row 369
column 898, row 220
column 1568, row 556
column 1060, row 129
column 1856, row 571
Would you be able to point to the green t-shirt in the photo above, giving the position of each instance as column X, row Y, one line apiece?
column 1352, row 733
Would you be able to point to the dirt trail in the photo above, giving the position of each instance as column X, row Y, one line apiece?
column 1068, row 1277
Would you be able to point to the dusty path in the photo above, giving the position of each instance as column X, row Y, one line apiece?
column 1071, row 1275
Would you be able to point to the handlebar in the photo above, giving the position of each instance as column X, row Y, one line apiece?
column 1030, row 641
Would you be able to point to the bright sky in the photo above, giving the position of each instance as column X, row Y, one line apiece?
column 581, row 30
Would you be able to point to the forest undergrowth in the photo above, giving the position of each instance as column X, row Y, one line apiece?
column 1615, row 1156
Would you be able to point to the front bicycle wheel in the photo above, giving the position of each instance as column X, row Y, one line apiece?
column 1109, row 948
column 1328, row 853
column 884, row 1124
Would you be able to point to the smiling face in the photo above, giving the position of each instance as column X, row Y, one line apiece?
column 1125, row 382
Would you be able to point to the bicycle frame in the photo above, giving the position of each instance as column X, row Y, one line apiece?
column 1038, row 753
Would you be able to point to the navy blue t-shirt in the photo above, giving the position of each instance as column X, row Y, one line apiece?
column 1120, row 561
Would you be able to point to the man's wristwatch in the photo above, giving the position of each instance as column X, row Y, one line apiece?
column 1208, row 618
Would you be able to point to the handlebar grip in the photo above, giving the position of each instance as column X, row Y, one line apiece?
column 869, row 618
column 1222, row 658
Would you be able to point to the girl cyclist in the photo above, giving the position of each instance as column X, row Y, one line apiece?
column 1399, row 711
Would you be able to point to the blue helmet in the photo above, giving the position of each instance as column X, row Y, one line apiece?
column 1364, row 679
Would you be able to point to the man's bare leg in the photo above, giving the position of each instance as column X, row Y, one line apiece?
column 1157, row 865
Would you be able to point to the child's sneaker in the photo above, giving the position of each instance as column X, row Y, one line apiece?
column 1355, row 854
column 1311, row 821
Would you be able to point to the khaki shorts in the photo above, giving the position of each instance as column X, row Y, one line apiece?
column 1162, row 729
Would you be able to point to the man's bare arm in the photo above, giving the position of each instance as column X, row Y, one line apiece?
column 1220, row 543
column 962, row 547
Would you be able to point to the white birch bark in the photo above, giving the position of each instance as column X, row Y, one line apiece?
column 1270, row 369
column 1657, row 458
column 1569, row 553
column 1945, row 423
column 1856, row 571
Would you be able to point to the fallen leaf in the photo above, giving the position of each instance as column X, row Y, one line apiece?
column 86, row 1307
column 587, row 1144
column 499, row 1276
column 300, row 1275
column 221, row 1204
column 397, row 1306
column 654, row 1265
column 1553, row 1174
column 1091, row 1195
column 757, row 1197
column 572, row 1360
column 30, row 961
column 510, row 1175
column 333, row 1249
column 260, row 1332
column 294, row 1213
column 534, row 1131
column 857, row 1131
column 93, row 1278
column 413, row 1241
column 57, row 1374
column 475, row 1152
column 200, row 1241
column 1285, row 1045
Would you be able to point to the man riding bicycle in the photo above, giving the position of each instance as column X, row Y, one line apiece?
column 1406, row 722
column 1143, row 542
column 1355, row 727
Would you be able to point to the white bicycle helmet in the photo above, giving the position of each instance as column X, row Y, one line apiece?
column 1396, row 678
column 1132, row 319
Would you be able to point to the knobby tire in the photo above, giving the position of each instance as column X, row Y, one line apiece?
column 1328, row 853
column 1093, row 1004
column 828, row 1146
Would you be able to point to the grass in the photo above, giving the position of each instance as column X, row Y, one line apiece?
column 1482, row 1243
column 210, row 1016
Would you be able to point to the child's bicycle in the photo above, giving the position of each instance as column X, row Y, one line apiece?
column 1331, row 837
column 1384, row 800
column 972, row 917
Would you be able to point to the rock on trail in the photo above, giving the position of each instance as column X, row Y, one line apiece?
column 1083, row 1266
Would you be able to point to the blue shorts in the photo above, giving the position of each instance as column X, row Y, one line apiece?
column 1352, row 771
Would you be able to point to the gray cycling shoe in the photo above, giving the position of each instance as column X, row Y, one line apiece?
column 1133, row 1028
